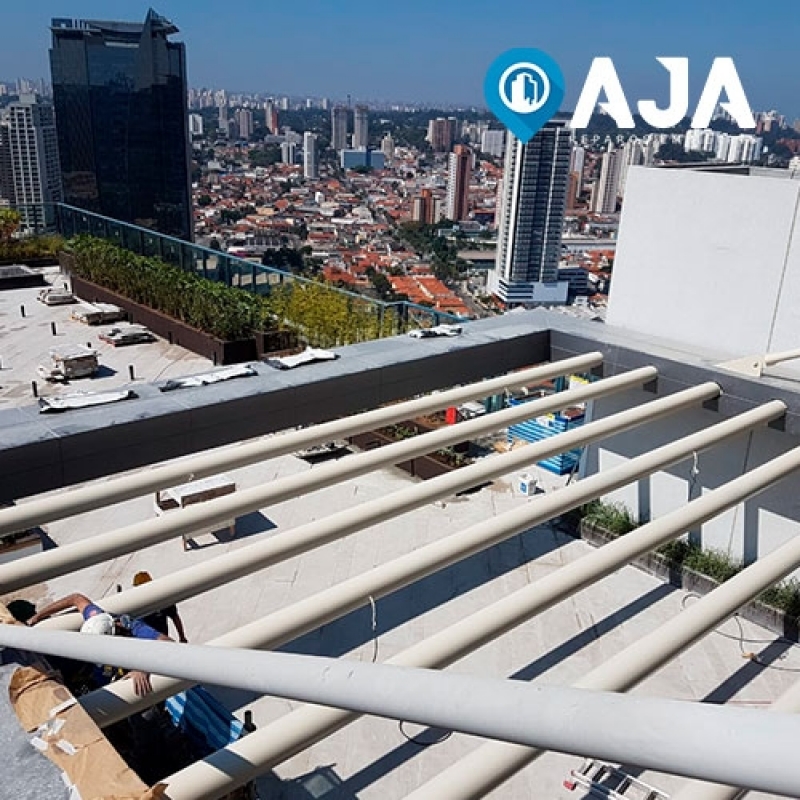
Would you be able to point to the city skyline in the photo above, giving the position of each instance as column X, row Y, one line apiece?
column 324, row 53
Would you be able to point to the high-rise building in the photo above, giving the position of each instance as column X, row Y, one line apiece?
column 119, row 91
column 195, row 124
column 459, row 173
column 532, row 202
column 244, row 119
column 441, row 134
column 310, row 168
column 338, row 128
column 29, row 168
column 633, row 155
column 425, row 208
column 288, row 150
column 271, row 117
column 361, row 127
column 387, row 148
column 493, row 142
column 607, row 188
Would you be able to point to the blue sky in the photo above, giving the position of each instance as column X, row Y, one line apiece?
column 438, row 50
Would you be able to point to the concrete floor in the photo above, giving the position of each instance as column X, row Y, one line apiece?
column 375, row 758
column 25, row 343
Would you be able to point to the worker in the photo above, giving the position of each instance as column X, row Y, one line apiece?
column 98, row 621
column 158, row 619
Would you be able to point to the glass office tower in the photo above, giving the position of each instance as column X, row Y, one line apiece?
column 119, row 91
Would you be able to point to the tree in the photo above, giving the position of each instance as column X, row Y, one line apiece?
column 204, row 200
column 9, row 223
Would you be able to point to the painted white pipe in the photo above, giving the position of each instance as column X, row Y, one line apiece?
column 787, row 703
column 284, row 738
column 95, row 495
column 61, row 560
column 203, row 577
column 685, row 738
column 115, row 702
column 491, row 764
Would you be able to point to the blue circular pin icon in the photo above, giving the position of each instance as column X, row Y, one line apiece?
column 524, row 88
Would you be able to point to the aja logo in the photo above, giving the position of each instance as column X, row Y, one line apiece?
column 524, row 88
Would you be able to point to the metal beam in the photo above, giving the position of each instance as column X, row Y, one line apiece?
column 787, row 703
column 274, row 743
column 61, row 560
column 96, row 495
column 203, row 577
column 491, row 764
column 682, row 737
column 115, row 702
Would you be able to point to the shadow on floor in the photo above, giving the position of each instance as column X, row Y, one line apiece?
column 355, row 629
column 410, row 748
column 320, row 782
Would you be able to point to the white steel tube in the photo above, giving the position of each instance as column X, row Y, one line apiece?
column 95, row 495
column 115, row 702
column 202, row 577
column 788, row 703
column 42, row 566
column 288, row 735
column 491, row 764
column 686, row 738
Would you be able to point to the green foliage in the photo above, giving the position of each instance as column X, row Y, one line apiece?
column 219, row 310
column 30, row 248
column 326, row 317
column 714, row 564
column 9, row 222
column 614, row 517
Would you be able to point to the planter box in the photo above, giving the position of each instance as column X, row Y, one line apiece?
column 174, row 331
column 275, row 342
column 423, row 467
column 685, row 578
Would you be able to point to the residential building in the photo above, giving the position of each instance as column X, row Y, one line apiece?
column 606, row 191
column 271, row 117
column 425, row 208
column 288, row 152
column 633, row 155
column 493, row 142
column 362, row 157
column 119, row 91
column 338, row 128
column 244, row 119
column 360, row 127
column 29, row 167
column 441, row 134
column 459, row 173
column 310, row 166
column 387, row 148
column 532, row 203
column 195, row 125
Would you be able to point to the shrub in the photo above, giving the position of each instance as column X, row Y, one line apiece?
column 614, row 517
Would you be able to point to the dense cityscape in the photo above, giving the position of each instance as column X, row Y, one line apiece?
column 392, row 201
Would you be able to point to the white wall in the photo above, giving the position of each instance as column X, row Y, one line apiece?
column 749, row 530
column 709, row 260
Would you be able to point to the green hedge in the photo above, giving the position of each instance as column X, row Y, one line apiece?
column 616, row 518
column 322, row 315
column 217, row 309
